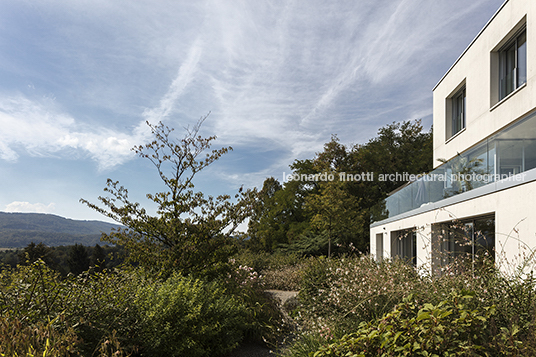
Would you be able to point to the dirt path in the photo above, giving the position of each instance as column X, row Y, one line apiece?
column 282, row 296
column 253, row 350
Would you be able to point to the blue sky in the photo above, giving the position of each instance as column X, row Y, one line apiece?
column 78, row 80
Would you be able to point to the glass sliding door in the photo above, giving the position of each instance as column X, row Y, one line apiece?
column 463, row 245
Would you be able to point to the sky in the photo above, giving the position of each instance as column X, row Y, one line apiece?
column 80, row 79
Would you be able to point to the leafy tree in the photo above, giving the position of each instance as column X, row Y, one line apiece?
column 278, row 215
column 261, row 221
column 398, row 148
column 98, row 259
column 32, row 252
column 316, row 209
column 9, row 257
column 338, row 214
column 190, row 231
column 78, row 259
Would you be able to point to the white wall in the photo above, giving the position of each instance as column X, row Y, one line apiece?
column 515, row 225
column 484, row 116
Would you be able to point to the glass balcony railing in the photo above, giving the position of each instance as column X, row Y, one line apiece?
column 501, row 156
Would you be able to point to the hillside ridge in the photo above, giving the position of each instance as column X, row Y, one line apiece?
column 19, row 229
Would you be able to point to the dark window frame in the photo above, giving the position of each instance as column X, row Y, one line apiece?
column 459, row 107
column 513, row 64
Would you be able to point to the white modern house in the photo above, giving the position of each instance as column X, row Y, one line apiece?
column 483, row 186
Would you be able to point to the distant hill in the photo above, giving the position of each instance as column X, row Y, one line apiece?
column 20, row 229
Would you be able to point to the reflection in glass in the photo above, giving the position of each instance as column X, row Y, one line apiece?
column 513, row 65
column 509, row 152
column 462, row 245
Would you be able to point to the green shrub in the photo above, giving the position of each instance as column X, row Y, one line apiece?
column 341, row 293
column 92, row 305
column 102, row 305
column 124, row 311
column 186, row 317
column 449, row 328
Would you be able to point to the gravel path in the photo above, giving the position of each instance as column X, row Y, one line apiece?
column 253, row 350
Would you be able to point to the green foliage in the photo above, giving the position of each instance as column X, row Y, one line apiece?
column 34, row 252
column 305, row 215
column 344, row 292
column 450, row 328
column 93, row 305
column 98, row 258
column 190, row 232
column 337, row 214
column 129, row 311
column 57, row 257
column 19, row 339
column 30, row 293
column 278, row 216
column 186, row 317
column 354, row 294
column 98, row 304
column 78, row 259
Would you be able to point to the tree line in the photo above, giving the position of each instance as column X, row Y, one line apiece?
column 195, row 234
column 327, row 207
column 73, row 259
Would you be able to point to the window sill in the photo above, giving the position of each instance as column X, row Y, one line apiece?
column 454, row 136
column 508, row 96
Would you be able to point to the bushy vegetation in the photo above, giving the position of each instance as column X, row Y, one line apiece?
column 128, row 311
column 19, row 339
column 450, row 328
column 182, row 316
column 354, row 306
column 192, row 288
column 347, row 306
column 64, row 258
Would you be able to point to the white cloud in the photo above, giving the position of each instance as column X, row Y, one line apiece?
column 41, row 129
column 275, row 75
column 18, row 206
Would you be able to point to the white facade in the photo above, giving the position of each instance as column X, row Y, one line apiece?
column 484, row 112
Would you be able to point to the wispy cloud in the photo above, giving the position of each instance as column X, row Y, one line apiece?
column 275, row 75
column 41, row 129
column 184, row 77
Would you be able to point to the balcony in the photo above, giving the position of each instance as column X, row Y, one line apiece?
column 500, row 157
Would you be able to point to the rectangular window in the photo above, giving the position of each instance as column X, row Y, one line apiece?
column 404, row 245
column 463, row 245
column 458, row 111
column 379, row 247
column 513, row 65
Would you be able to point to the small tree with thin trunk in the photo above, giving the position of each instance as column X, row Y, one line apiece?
column 190, row 232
